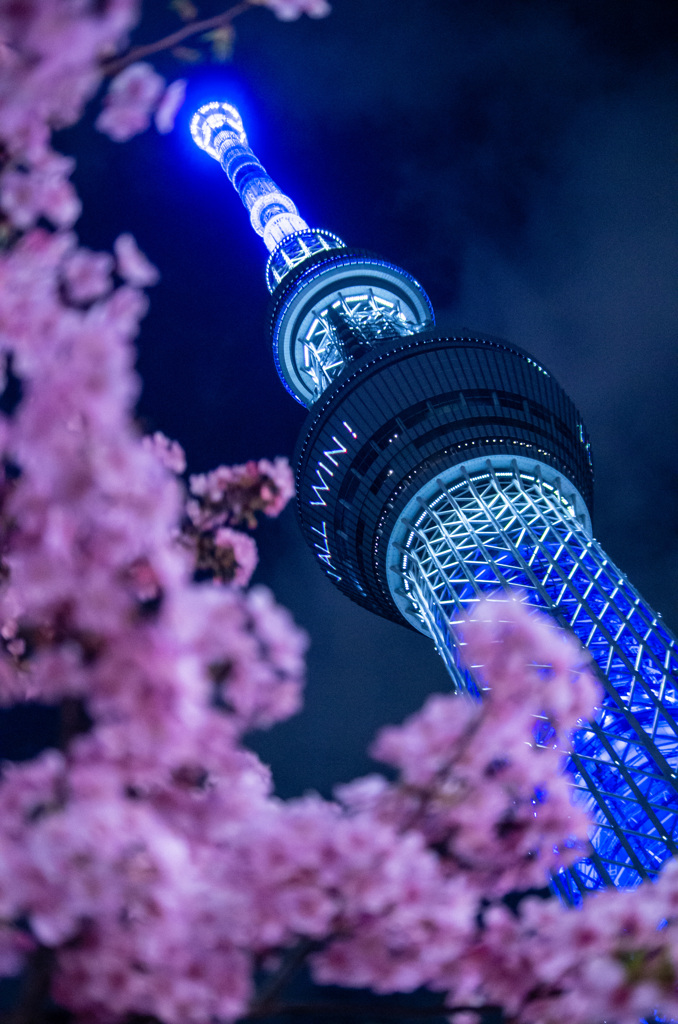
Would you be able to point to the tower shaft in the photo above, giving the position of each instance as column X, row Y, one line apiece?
column 474, row 530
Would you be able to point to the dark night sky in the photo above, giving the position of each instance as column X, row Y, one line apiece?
column 517, row 157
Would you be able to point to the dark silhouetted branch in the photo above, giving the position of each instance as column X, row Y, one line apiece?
column 116, row 64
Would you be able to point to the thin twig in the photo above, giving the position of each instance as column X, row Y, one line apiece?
column 116, row 64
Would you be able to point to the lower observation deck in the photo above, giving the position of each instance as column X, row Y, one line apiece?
column 397, row 417
column 478, row 528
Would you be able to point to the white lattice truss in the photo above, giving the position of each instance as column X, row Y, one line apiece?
column 503, row 528
column 295, row 249
column 373, row 317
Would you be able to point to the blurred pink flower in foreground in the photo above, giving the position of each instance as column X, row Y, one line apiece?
column 131, row 263
column 87, row 275
column 169, row 106
column 135, row 96
column 130, row 101
column 149, row 854
column 44, row 191
column 290, row 10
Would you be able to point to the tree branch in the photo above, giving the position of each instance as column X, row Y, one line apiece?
column 116, row 64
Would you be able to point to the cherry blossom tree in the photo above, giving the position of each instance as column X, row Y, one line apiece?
column 147, row 869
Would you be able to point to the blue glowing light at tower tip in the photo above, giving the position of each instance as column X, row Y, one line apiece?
column 213, row 119
column 217, row 128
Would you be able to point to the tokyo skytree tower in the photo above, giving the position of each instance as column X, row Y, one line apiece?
column 432, row 470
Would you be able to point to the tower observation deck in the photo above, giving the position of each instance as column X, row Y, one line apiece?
column 432, row 471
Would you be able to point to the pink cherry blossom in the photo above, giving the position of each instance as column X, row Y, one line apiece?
column 234, row 494
column 290, row 10
column 131, row 263
column 44, row 191
column 168, row 452
column 15, row 947
column 87, row 275
column 50, row 66
column 471, row 771
column 169, row 106
column 241, row 548
column 132, row 97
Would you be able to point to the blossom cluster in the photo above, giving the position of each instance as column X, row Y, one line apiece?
column 483, row 784
column 615, row 959
column 111, row 848
column 233, row 496
column 474, row 777
column 135, row 96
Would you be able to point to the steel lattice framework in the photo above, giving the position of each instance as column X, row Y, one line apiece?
column 372, row 318
column 505, row 528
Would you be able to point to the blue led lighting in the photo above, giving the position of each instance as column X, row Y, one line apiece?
column 625, row 761
column 295, row 249
column 218, row 129
column 211, row 119
column 337, row 266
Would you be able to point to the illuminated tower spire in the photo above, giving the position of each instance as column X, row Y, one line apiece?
column 434, row 470
column 218, row 129
column 333, row 303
